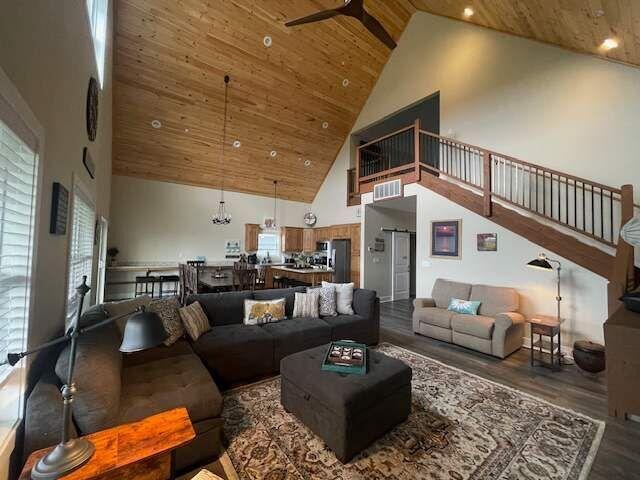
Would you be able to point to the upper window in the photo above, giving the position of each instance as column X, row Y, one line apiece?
column 81, row 248
column 98, row 11
column 268, row 243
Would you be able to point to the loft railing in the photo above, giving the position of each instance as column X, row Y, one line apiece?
column 590, row 208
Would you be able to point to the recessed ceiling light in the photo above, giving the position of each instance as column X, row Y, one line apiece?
column 156, row 123
column 273, row 153
column 609, row 43
column 267, row 41
column 468, row 12
column 345, row 82
column 237, row 144
column 307, row 163
column 186, row 130
column 599, row 13
column 325, row 125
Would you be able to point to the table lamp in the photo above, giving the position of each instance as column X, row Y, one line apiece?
column 143, row 330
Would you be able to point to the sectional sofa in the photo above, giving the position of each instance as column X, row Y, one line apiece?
column 114, row 388
column 497, row 329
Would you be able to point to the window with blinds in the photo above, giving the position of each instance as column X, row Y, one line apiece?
column 18, row 180
column 81, row 248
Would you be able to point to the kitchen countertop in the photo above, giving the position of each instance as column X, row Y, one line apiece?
column 303, row 270
column 168, row 266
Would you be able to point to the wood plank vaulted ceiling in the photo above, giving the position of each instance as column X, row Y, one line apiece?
column 171, row 56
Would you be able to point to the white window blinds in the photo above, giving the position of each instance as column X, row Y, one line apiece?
column 18, row 180
column 81, row 248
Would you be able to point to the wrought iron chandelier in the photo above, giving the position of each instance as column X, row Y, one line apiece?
column 222, row 217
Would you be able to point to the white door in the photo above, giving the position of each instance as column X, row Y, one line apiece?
column 103, row 225
column 401, row 271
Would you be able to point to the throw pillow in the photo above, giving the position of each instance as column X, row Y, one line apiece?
column 194, row 319
column 167, row 310
column 327, row 302
column 306, row 304
column 468, row 307
column 258, row 312
column 344, row 297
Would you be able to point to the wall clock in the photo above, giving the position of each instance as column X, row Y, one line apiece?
column 92, row 109
column 310, row 219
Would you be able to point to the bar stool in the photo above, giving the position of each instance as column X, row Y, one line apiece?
column 142, row 285
column 279, row 281
column 173, row 279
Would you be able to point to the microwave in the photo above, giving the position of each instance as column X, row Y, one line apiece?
column 324, row 247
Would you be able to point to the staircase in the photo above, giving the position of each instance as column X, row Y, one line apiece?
column 571, row 216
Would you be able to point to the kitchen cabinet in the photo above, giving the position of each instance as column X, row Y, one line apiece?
column 354, row 234
column 251, row 232
column 322, row 234
column 291, row 239
column 340, row 232
column 308, row 240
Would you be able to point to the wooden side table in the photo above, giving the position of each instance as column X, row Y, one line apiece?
column 546, row 326
column 141, row 450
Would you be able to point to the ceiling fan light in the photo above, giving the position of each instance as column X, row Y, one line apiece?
column 267, row 41
column 609, row 43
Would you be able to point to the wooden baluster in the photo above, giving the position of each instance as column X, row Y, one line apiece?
column 357, row 179
column 566, row 200
column 584, row 212
column 601, row 213
column 611, row 216
column 623, row 267
column 575, row 204
column 593, row 213
column 486, row 163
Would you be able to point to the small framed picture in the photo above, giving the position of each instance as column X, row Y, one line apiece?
column 487, row 242
column 445, row 238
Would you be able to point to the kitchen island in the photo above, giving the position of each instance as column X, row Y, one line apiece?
column 311, row 276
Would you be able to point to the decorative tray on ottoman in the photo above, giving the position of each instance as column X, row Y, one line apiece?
column 345, row 356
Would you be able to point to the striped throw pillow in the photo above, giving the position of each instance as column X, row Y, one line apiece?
column 306, row 304
column 194, row 319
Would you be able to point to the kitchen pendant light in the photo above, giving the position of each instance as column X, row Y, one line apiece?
column 271, row 224
column 222, row 217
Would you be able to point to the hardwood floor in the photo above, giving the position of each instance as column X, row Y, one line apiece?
column 619, row 453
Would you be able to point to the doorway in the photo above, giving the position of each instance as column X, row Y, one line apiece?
column 400, row 266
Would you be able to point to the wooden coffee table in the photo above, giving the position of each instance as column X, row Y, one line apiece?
column 141, row 450
column 546, row 326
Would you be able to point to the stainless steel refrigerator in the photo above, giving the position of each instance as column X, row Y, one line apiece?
column 341, row 260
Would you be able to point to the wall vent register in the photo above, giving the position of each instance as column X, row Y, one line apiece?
column 385, row 190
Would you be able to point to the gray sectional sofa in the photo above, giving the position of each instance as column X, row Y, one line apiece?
column 497, row 330
column 114, row 388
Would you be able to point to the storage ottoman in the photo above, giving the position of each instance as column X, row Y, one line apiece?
column 349, row 412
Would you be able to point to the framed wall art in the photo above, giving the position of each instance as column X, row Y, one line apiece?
column 487, row 242
column 445, row 238
column 59, row 209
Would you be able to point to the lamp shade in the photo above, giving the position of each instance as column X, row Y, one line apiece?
column 542, row 263
column 143, row 330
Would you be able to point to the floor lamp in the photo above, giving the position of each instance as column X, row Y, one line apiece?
column 143, row 330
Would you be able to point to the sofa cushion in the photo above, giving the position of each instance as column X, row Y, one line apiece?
column 98, row 370
column 475, row 325
column 297, row 334
column 445, row 290
column 180, row 381
column 233, row 353
column 181, row 347
column 364, row 302
column 287, row 293
column 434, row 316
column 352, row 327
column 225, row 308
column 495, row 300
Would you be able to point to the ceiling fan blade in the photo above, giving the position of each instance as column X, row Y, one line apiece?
column 378, row 30
column 352, row 8
column 314, row 17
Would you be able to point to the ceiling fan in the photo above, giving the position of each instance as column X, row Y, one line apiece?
column 351, row 8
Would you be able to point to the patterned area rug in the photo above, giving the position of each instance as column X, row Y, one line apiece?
column 461, row 427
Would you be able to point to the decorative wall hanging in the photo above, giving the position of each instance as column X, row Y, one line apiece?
column 310, row 219
column 92, row 109
column 232, row 249
column 88, row 163
column 445, row 239
column 59, row 209
column 222, row 217
column 487, row 242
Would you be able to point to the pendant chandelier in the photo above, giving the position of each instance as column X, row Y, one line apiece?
column 222, row 217
column 272, row 224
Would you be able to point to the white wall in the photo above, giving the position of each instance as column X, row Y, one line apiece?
column 47, row 52
column 584, row 304
column 377, row 265
column 165, row 222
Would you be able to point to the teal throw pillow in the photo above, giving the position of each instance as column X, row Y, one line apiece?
column 468, row 307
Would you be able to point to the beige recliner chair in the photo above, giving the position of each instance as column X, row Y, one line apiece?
column 497, row 329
